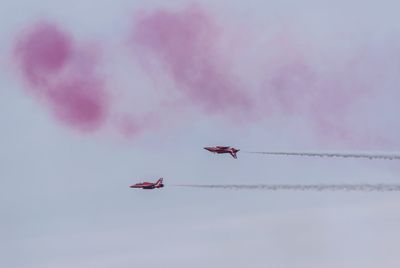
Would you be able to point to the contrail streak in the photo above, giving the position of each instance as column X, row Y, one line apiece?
column 302, row 187
column 384, row 156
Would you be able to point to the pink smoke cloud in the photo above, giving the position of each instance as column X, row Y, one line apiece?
column 300, row 77
column 185, row 43
column 328, row 88
column 295, row 86
column 289, row 74
column 64, row 75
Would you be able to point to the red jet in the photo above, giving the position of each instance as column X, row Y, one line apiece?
column 149, row 185
column 223, row 150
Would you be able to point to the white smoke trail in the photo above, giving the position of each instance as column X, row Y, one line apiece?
column 384, row 156
column 302, row 187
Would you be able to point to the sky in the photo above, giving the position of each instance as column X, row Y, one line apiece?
column 98, row 95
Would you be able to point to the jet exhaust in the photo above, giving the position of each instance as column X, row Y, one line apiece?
column 302, row 187
column 382, row 156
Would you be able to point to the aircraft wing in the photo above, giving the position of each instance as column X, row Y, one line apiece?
column 143, row 184
column 136, row 186
column 146, row 184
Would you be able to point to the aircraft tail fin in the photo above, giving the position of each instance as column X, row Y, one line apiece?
column 159, row 182
column 234, row 152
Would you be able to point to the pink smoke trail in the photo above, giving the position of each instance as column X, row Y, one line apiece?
column 328, row 88
column 333, row 91
column 185, row 43
column 64, row 75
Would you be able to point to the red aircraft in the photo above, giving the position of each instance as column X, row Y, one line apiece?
column 223, row 150
column 149, row 185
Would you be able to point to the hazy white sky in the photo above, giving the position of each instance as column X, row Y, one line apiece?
column 64, row 196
